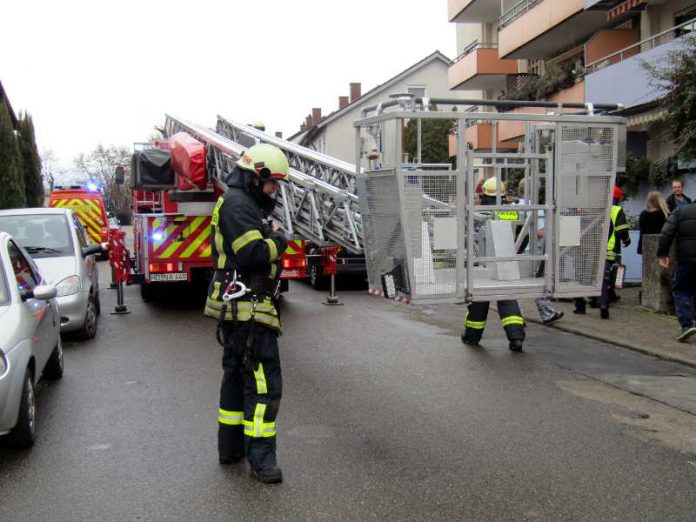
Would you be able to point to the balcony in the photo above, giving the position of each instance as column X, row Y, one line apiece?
column 479, row 68
column 510, row 131
column 481, row 11
column 620, row 77
column 544, row 28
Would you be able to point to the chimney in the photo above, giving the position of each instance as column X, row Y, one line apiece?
column 316, row 115
column 308, row 121
column 354, row 91
column 342, row 101
column 279, row 134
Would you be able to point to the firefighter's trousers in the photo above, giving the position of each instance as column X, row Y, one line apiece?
column 249, row 400
column 510, row 316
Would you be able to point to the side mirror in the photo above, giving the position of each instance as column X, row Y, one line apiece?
column 91, row 250
column 41, row 292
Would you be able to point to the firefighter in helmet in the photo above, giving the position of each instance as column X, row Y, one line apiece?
column 508, row 309
column 242, row 297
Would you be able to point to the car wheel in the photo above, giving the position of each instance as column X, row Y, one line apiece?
column 98, row 301
column 23, row 434
column 89, row 328
column 54, row 367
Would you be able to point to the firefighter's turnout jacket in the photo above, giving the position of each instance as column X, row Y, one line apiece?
column 250, row 394
column 242, row 242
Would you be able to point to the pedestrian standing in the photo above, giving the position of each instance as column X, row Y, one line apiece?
column 508, row 309
column 242, row 297
column 681, row 226
column 677, row 198
column 652, row 219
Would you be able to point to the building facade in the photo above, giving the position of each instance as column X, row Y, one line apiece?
column 571, row 51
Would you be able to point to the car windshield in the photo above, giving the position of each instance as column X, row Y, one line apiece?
column 42, row 235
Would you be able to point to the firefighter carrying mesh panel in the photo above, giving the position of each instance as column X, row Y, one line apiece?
column 537, row 226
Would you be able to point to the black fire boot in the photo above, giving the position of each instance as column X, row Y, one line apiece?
column 271, row 475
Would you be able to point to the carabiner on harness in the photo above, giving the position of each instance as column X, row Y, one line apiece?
column 235, row 289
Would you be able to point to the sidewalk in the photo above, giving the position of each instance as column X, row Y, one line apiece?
column 629, row 325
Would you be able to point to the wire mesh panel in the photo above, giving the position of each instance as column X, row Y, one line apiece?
column 385, row 248
column 430, row 231
column 585, row 171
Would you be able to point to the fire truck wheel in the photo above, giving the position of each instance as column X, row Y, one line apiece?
column 317, row 280
column 89, row 329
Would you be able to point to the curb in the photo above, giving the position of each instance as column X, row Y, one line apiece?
column 647, row 351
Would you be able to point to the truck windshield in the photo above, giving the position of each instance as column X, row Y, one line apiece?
column 41, row 235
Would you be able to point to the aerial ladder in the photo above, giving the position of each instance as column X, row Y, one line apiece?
column 420, row 230
column 318, row 205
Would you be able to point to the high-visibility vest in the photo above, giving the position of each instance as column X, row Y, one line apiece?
column 507, row 215
column 611, row 243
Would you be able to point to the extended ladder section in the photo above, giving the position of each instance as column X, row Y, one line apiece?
column 319, row 203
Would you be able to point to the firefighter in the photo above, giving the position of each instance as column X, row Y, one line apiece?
column 242, row 296
column 618, row 235
column 508, row 309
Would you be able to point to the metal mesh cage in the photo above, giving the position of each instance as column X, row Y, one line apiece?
column 430, row 238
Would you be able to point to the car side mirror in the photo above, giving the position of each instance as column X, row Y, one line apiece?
column 90, row 250
column 43, row 292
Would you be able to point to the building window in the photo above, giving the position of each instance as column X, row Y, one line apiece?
column 418, row 92
column 683, row 16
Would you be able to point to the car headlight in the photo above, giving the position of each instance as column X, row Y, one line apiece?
column 4, row 364
column 68, row 286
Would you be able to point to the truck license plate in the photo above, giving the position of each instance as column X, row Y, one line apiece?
column 175, row 276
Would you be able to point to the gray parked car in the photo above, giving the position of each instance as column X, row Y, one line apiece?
column 59, row 245
column 30, row 344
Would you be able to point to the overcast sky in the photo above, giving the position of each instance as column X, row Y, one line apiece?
column 91, row 74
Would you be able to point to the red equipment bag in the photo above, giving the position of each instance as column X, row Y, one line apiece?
column 188, row 160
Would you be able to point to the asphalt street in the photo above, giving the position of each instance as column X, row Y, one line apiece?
column 385, row 415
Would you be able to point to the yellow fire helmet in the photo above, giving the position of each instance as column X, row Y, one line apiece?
column 490, row 185
column 268, row 161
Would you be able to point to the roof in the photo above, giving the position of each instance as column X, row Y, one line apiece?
column 315, row 129
column 13, row 116
column 35, row 211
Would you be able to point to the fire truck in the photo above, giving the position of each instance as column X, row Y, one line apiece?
column 174, row 193
column 88, row 205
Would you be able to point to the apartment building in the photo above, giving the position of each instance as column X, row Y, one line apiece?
column 569, row 51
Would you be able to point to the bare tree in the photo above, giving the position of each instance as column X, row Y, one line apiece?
column 49, row 169
column 99, row 167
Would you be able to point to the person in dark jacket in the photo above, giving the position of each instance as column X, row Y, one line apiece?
column 681, row 226
column 618, row 235
column 652, row 219
column 242, row 293
column 677, row 198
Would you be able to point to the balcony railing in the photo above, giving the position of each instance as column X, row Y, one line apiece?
column 515, row 12
column 649, row 43
column 473, row 46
